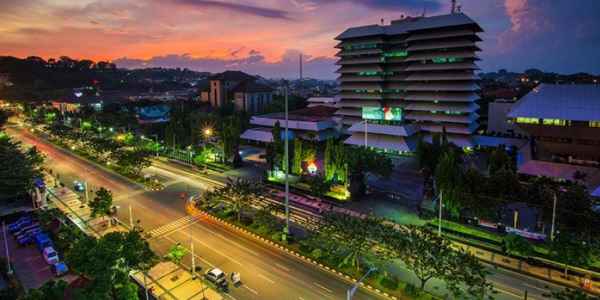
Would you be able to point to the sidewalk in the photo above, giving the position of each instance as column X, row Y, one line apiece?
column 166, row 280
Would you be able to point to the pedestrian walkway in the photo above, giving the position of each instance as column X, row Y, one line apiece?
column 178, row 224
column 167, row 281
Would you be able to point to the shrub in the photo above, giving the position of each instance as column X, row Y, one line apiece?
column 389, row 282
column 316, row 253
column 412, row 290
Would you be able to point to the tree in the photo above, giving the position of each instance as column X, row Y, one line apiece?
column 570, row 251
column 101, row 204
column 176, row 253
column 277, row 154
column 517, row 245
column 131, row 162
column 318, row 185
column 230, row 137
column 107, row 262
column 51, row 290
column 360, row 161
column 427, row 255
column 570, row 294
column 297, row 162
column 240, row 192
column 353, row 236
column 498, row 160
column 448, row 181
column 19, row 168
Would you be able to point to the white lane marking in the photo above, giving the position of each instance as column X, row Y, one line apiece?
column 229, row 240
column 173, row 226
column 324, row 288
column 282, row 267
column 213, row 249
column 535, row 287
column 508, row 292
column 266, row 278
column 253, row 291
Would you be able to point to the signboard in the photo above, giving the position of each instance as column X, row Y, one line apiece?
column 382, row 113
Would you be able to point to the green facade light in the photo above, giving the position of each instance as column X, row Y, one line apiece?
column 382, row 113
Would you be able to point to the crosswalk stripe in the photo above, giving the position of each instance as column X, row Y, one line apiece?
column 169, row 227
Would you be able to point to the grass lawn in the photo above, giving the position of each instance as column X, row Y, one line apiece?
column 468, row 230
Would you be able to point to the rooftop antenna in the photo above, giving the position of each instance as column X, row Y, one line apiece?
column 459, row 8
column 453, row 9
column 424, row 10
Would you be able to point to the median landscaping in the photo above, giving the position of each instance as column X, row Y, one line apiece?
column 349, row 246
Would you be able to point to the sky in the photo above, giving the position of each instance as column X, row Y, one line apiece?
column 266, row 37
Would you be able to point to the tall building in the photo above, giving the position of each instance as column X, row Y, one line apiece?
column 415, row 76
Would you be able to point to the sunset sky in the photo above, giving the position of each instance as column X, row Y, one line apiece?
column 265, row 36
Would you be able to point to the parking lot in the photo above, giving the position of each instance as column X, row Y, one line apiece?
column 29, row 265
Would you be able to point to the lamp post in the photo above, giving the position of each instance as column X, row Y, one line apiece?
column 440, row 214
column 366, row 133
column 286, row 229
column 350, row 292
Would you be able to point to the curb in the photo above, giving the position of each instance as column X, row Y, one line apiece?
column 291, row 252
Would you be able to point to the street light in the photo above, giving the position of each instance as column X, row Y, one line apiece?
column 207, row 132
column 350, row 292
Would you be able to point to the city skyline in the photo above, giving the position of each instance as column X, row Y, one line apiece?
column 266, row 37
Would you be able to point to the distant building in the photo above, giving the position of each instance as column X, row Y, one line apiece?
column 312, row 123
column 563, row 122
column 76, row 99
column 5, row 80
column 498, row 122
column 415, row 76
column 237, row 88
column 323, row 101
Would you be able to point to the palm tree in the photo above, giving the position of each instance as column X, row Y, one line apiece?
column 240, row 192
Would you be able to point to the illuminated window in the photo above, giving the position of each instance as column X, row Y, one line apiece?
column 528, row 120
column 396, row 54
column 443, row 60
column 360, row 46
column 594, row 124
column 554, row 122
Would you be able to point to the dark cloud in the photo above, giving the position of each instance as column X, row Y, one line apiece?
column 236, row 7
column 254, row 63
column 410, row 5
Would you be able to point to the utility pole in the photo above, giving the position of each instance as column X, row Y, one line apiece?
column 146, row 286
column 553, row 218
column 193, row 258
column 85, row 186
column 366, row 133
column 352, row 290
column 440, row 214
column 286, row 231
column 8, row 267
column 130, row 217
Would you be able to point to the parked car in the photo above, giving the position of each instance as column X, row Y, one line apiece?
column 23, row 221
column 217, row 277
column 42, row 241
column 24, row 229
column 50, row 256
column 29, row 233
column 59, row 268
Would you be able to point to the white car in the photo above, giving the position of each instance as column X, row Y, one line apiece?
column 50, row 256
column 217, row 277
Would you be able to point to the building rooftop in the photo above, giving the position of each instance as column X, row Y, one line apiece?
column 574, row 102
column 309, row 114
column 409, row 24
column 251, row 86
column 232, row 76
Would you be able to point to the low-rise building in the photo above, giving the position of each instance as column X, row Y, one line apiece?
column 312, row 123
column 563, row 122
column 237, row 88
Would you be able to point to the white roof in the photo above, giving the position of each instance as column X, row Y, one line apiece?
column 258, row 134
column 575, row 102
column 395, row 130
column 382, row 142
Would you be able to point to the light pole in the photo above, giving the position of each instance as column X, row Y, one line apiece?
column 553, row 218
column 350, row 292
column 366, row 133
column 8, row 267
column 440, row 214
column 286, row 229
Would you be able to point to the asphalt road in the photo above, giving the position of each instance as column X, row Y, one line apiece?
column 266, row 272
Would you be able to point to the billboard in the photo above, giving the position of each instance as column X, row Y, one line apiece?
column 382, row 113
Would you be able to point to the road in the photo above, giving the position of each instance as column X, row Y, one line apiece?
column 267, row 272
